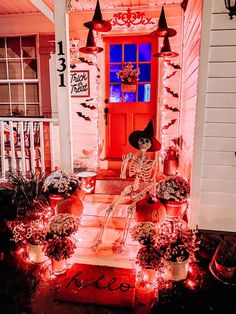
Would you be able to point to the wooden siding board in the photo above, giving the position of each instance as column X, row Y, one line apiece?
column 222, row 54
column 221, row 85
column 223, row 38
column 220, row 115
column 221, row 100
column 217, row 185
column 220, row 129
column 222, row 144
column 218, row 172
column 219, row 158
column 222, row 70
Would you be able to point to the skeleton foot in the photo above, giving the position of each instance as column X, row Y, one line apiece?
column 120, row 248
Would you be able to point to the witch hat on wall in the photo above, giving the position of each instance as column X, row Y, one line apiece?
column 166, row 50
column 162, row 29
column 148, row 132
column 91, row 47
column 97, row 23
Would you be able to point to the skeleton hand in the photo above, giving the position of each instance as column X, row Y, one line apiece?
column 125, row 159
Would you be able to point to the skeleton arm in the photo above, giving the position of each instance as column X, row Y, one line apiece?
column 125, row 160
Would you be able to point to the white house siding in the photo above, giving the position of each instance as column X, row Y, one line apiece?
column 190, row 66
column 214, row 173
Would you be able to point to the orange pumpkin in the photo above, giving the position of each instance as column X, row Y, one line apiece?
column 72, row 205
column 150, row 210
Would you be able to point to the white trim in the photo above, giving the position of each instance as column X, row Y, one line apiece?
column 200, row 112
column 44, row 9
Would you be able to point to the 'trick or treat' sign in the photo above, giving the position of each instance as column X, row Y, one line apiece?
column 98, row 285
column 79, row 83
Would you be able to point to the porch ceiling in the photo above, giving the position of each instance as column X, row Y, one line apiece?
column 26, row 6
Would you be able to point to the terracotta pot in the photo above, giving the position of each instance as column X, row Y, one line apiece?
column 175, row 209
column 35, row 253
column 59, row 267
column 54, row 199
column 128, row 88
column 176, row 271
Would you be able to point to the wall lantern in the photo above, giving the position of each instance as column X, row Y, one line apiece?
column 231, row 6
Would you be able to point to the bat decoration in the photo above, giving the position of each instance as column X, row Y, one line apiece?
column 89, row 63
column 83, row 104
column 169, row 76
column 83, row 116
column 174, row 109
column 73, row 66
column 89, row 99
column 165, row 127
column 171, row 92
column 175, row 66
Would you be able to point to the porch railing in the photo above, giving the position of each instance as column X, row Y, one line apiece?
column 22, row 142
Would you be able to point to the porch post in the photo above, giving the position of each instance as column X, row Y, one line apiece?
column 63, row 83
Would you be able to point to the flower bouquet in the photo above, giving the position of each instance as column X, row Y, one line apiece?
column 128, row 76
column 60, row 182
column 145, row 233
column 62, row 225
column 33, row 235
column 174, row 192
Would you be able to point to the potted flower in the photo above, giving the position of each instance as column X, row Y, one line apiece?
column 28, row 198
column 150, row 260
column 129, row 77
column 62, row 225
column 33, row 235
column 59, row 250
column 174, row 192
column 145, row 233
column 58, row 185
column 177, row 244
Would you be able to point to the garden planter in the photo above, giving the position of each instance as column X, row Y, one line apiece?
column 176, row 271
column 175, row 209
column 128, row 88
column 35, row 253
column 58, row 267
column 54, row 199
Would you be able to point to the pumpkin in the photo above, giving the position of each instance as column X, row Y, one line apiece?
column 151, row 210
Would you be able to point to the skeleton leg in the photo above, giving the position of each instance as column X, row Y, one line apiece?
column 109, row 210
column 120, row 248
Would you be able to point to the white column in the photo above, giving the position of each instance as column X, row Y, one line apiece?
column 63, row 83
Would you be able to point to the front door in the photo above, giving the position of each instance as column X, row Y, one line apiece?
column 128, row 111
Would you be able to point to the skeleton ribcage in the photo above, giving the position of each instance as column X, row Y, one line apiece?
column 142, row 168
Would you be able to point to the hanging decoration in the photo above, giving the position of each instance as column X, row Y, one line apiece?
column 174, row 109
column 86, row 118
column 169, row 76
column 171, row 92
column 97, row 23
column 91, row 107
column 165, row 127
column 163, row 30
column 131, row 19
column 166, row 50
column 91, row 47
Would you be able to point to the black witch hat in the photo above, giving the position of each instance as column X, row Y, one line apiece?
column 91, row 47
column 166, row 50
column 162, row 29
column 148, row 132
column 97, row 23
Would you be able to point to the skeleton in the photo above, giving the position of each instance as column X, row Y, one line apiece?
column 142, row 167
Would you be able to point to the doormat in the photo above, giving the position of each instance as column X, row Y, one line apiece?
column 102, row 285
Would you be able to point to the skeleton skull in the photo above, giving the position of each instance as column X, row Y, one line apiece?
column 144, row 144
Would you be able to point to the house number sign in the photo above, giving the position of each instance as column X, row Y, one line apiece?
column 62, row 64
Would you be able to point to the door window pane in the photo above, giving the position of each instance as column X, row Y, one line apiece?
column 115, row 93
column 144, row 92
column 113, row 70
column 144, row 52
column 18, row 110
column 14, row 69
column 13, row 47
column 4, row 110
column 32, row 110
column 130, row 52
column 145, row 72
column 115, row 53
column 129, row 97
